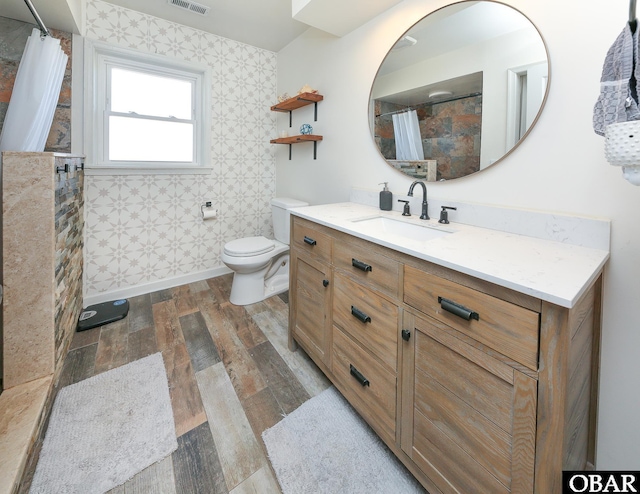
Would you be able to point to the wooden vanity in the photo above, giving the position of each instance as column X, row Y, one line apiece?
column 474, row 386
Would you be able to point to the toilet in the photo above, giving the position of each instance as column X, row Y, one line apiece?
column 261, row 266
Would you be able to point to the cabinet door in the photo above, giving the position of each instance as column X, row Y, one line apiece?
column 311, row 308
column 471, row 418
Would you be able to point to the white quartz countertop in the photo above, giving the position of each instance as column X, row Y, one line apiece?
column 553, row 271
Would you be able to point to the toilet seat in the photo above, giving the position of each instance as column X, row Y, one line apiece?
column 248, row 246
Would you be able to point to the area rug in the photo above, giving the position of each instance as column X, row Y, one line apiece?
column 325, row 447
column 107, row 428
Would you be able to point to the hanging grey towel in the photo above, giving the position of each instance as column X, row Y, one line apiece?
column 615, row 103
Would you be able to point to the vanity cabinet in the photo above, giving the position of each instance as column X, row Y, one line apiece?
column 475, row 387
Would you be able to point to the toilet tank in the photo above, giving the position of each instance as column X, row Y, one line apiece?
column 281, row 216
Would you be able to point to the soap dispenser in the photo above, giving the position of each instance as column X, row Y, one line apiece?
column 386, row 197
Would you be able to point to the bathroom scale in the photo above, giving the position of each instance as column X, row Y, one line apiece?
column 104, row 313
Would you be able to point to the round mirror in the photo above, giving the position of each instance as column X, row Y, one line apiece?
column 459, row 90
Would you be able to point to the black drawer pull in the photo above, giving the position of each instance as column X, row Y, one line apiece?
column 358, row 314
column 457, row 309
column 325, row 283
column 309, row 240
column 361, row 265
column 358, row 375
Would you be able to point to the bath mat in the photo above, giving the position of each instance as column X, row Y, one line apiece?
column 107, row 428
column 325, row 447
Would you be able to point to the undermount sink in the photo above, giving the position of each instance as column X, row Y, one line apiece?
column 412, row 231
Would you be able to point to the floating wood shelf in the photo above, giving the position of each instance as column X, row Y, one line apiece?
column 297, row 139
column 288, row 105
column 298, row 101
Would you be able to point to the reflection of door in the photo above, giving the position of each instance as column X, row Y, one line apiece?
column 526, row 91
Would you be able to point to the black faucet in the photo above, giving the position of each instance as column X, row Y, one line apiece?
column 406, row 211
column 444, row 215
column 424, row 215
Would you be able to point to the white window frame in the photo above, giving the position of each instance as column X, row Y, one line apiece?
column 98, row 57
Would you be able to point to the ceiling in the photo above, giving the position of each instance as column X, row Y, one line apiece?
column 454, row 27
column 444, row 31
column 56, row 14
column 267, row 24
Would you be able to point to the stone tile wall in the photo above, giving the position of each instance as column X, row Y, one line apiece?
column 42, row 259
column 450, row 134
column 13, row 38
column 69, row 226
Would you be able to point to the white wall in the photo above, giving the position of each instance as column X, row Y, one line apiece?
column 560, row 166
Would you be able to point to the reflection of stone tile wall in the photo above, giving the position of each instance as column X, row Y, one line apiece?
column 384, row 136
column 450, row 134
column 13, row 38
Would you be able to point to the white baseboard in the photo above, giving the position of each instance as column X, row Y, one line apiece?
column 154, row 286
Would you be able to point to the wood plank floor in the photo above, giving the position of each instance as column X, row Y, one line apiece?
column 230, row 376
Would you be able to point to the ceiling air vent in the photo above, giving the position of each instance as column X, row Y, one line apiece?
column 190, row 6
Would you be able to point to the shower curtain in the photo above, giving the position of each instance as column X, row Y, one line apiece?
column 35, row 95
column 407, row 135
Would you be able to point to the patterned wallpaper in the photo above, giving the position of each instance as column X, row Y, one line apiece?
column 145, row 229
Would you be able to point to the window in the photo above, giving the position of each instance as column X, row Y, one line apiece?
column 144, row 113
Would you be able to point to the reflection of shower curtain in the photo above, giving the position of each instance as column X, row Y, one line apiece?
column 407, row 134
column 35, row 95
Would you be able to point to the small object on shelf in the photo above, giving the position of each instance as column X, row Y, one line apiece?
column 306, row 129
column 307, row 89
column 283, row 97
column 284, row 133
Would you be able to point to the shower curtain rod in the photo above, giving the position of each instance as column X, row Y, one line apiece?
column 446, row 100
column 43, row 29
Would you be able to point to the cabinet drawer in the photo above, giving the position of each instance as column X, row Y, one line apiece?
column 368, row 386
column 310, row 240
column 368, row 318
column 367, row 266
column 503, row 326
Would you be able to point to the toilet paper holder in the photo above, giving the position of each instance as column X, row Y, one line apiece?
column 207, row 214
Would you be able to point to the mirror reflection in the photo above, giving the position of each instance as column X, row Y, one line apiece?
column 459, row 90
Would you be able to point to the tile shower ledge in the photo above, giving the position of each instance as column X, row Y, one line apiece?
column 21, row 410
column 553, row 271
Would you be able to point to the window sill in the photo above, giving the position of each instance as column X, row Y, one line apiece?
column 114, row 170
